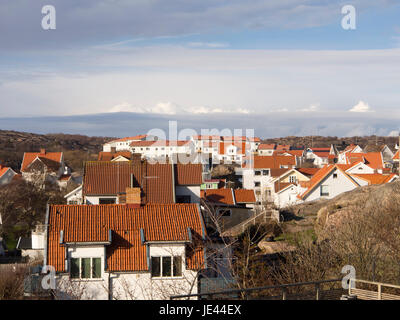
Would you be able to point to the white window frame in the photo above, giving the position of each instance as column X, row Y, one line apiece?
column 172, row 267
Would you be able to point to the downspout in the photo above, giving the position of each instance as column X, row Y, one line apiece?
column 46, row 223
column 173, row 183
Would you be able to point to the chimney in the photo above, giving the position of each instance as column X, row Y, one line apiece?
column 42, row 151
column 133, row 197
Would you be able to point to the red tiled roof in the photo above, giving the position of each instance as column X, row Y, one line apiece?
column 244, row 196
column 138, row 137
column 188, row 174
column 321, row 175
column 284, row 147
column 375, row 178
column 65, row 177
column 282, row 185
column 371, row 159
column 265, row 146
column 108, row 156
column 112, row 178
column 397, row 155
column 272, row 162
column 297, row 153
column 308, row 171
column 29, row 157
column 3, row 170
column 278, row 172
column 84, row 223
column 223, row 196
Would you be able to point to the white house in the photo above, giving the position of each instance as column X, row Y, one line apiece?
column 124, row 252
column 6, row 175
column 75, row 196
column 124, row 143
column 33, row 246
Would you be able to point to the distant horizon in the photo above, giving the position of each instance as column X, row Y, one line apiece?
column 123, row 124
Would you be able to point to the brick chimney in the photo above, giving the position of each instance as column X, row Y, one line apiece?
column 42, row 151
column 133, row 197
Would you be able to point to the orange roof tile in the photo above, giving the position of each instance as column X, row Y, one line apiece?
column 375, row 178
column 188, row 174
column 138, row 137
column 279, row 186
column 29, row 157
column 265, row 146
column 108, row 156
column 272, row 162
column 222, row 196
column 308, row 171
column 3, row 170
column 244, row 196
column 397, row 155
column 371, row 159
column 112, row 178
column 84, row 223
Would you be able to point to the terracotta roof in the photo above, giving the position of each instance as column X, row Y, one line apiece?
column 84, row 223
column 321, row 175
column 297, row 153
column 29, row 157
column 265, row 146
column 272, row 162
column 376, row 178
column 284, row 147
column 371, row 159
column 65, row 177
column 112, row 178
column 308, row 171
column 278, row 172
column 188, row 174
column 282, row 185
column 138, row 137
column 222, row 196
column 3, row 170
column 108, row 156
column 244, row 196
column 397, row 155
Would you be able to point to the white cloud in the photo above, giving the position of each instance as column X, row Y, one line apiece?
column 361, row 107
column 394, row 133
column 311, row 108
column 171, row 108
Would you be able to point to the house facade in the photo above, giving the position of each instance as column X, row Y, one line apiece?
column 125, row 251
column 6, row 175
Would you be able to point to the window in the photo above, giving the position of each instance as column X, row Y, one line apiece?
column 324, row 191
column 85, row 268
column 107, row 201
column 292, row 179
column 265, row 172
column 166, row 266
column 335, row 176
column 72, row 202
column 225, row 212
column 257, row 173
column 183, row 199
column 257, row 184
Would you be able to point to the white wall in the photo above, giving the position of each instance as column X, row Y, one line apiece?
column 192, row 191
column 95, row 199
column 337, row 186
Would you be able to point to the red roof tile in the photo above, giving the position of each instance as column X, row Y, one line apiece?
column 112, row 178
column 371, row 159
column 188, row 174
column 244, row 196
column 83, row 223
column 241, row 147
column 272, row 162
column 29, row 157
column 222, row 196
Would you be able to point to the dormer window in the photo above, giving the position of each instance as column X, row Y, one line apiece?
column 166, row 266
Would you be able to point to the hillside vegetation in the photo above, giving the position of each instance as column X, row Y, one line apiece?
column 76, row 148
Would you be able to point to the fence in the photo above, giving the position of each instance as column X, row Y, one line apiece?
column 374, row 290
column 315, row 290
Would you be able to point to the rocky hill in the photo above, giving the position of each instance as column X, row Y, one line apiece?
column 324, row 214
column 13, row 144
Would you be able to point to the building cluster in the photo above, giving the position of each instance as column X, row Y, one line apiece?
column 143, row 229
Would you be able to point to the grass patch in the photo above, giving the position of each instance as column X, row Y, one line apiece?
column 305, row 235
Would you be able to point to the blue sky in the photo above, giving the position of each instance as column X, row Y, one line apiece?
column 277, row 59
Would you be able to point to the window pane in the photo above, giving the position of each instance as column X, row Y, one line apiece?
column 74, row 268
column 96, row 266
column 177, row 266
column 85, row 268
column 166, row 266
column 155, row 266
